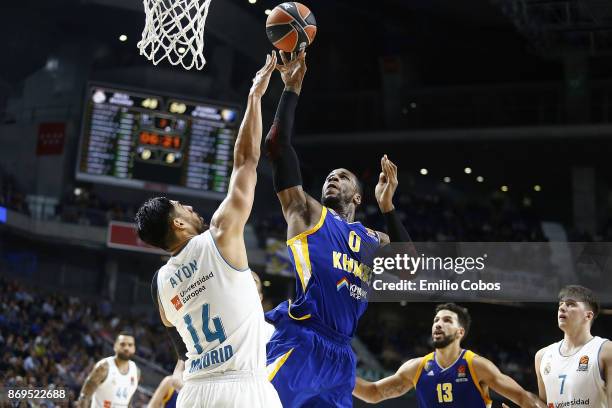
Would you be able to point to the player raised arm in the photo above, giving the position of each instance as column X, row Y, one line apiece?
column 227, row 223
column 393, row 386
column 301, row 211
column 489, row 374
column 92, row 382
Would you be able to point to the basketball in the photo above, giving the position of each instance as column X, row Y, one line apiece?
column 291, row 26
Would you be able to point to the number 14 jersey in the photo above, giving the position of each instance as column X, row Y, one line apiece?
column 215, row 308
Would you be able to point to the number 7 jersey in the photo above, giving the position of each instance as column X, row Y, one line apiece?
column 215, row 308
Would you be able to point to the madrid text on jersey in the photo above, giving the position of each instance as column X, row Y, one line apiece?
column 216, row 356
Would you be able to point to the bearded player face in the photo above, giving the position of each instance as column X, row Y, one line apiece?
column 125, row 347
column 340, row 189
column 446, row 329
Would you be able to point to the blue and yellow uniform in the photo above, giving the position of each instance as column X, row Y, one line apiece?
column 170, row 398
column 456, row 386
column 310, row 360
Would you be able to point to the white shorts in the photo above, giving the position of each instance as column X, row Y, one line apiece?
column 236, row 390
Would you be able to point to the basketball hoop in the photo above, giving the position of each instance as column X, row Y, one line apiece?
column 174, row 30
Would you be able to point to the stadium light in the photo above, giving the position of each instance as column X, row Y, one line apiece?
column 447, row 179
column 424, row 172
column 268, row 11
column 537, row 187
column 123, row 38
column 504, row 189
column 468, row 170
column 480, row 179
column 252, row 1
column 267, row 283
column 78, row 191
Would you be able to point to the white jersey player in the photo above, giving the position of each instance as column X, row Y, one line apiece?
column 206, row 291
column 577, row 371
column 113, row 380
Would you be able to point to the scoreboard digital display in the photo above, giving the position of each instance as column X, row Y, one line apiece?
column 157, row 142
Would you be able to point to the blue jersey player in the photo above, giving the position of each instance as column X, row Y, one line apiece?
column 310, row 360
column 450, row 377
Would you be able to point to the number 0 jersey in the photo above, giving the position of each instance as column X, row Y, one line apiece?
column 215, row 308
column 574, row 380
column 332, row 283
column 456, row 386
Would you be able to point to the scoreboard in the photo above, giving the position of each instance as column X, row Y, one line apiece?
column 157, row 142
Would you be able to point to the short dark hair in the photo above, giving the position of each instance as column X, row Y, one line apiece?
column 581, row 294
column 153, row 221
column 124, row 333
column 465, row 320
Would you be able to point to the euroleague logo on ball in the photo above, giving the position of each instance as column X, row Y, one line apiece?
column 291, row 27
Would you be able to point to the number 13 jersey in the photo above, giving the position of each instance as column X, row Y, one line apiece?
column 215, row 308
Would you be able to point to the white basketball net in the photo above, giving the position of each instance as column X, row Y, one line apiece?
column 174, row 29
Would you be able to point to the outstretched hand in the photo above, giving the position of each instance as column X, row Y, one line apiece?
column 387, row 184
column 293, row 70
column 262, row 78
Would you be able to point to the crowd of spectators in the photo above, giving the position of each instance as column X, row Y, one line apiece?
column 49, row 339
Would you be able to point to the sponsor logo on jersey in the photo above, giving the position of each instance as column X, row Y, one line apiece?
column 573, row 403
column 428, row 366
column 176, row 301
column 355, row 291
column 583, row 364
column 195, row 288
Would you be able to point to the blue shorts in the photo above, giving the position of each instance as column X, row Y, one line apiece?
column 309, row 368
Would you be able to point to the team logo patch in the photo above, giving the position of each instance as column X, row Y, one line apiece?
column 176, row 301
column 583, row 365
column 461, row 371
column 461, row 374
column 428, row 366
column 547, row 369
column 132, row 380
column 342, row 283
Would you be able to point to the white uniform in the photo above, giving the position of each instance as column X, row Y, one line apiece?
column 574, row 381
column 217, row 311
column 117, row 389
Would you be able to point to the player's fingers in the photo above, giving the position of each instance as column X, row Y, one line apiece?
column 382, row 178
column 271, row 63
column 283, row 57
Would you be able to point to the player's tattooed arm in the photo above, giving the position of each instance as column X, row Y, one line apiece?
column 93, row 380
column 541, row 387
column 393, row 386
column 605, row 363
column 489, row 375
